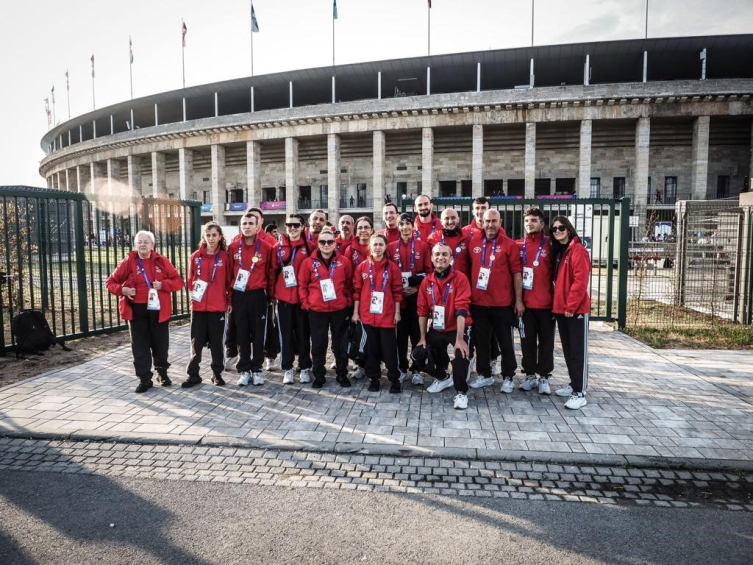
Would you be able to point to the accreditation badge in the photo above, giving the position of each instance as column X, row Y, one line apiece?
column 483, row 278
column 377, row 303
column 328, row 290
column 241, row 280
column 199, row 287
column 406, row 278
column 288, row 275
column 527, row 278
column 153, row 300
column 437, row 318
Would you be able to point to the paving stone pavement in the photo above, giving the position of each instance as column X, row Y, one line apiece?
column 664, row 407
column 413, row 475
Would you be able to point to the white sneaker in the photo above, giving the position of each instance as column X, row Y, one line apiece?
column 495, row 369
column 461, row 401
column 481, row 381
column 305, row 376
column 576, row 401
column 333, row 366
column 402, row 377
column 564, row 391
column 417, row 379
column 360, row 373
column 289, row 377
column 507, row 385
column 530, row 383
column 244, row 378
column 231, row 362
column 272, row 364
column 258, row 379
column 544, row 386
column 439, row 385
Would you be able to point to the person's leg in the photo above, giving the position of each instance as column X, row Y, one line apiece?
column 461, row 366
column 482, row 326
column 319, row 333
column 502, row 326
column 231, row 346
column 577, row 329
column 140, row 347
column 216, row 329
column 242, row 315
column 546, row 329
column 528, row 343
column 388, row 355
column 258, row 324
column 373, row 357
column 401, row 341
column 437, row 342
column 339, row 326
column 199, row 328
column 302, row 337
column 286, row 327
column 160, row 342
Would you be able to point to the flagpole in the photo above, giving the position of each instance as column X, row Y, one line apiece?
column 94, row 103
column 646, row 37
column 429, row 28
column 533, row 4
column 333, row 36
column 54, row 119
column 130, row 61
column 68, row 93
column 252, row 37
column 183, row 51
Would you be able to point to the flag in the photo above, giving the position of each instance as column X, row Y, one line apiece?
column 130, row 48
column 53, row 93
column 185, row 31
column 254, row 22
column 334, row 9
column 67, row 83
column 430, row 4
column 92, row 65
column 47, row 110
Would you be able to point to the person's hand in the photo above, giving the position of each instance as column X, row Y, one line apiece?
column 128, row 291
column 568, row 314
column 157, row 285
column 519, row 308
column 355, row 317
column 421, row 342
column 397, row 315
column 409, row 290
column 229, row 308
column 462, row 347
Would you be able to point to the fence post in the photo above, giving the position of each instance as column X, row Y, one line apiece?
column 196, row 226
column 83, row 296
column 43, row 220
column 623, row 264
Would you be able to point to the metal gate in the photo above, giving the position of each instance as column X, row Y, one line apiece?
column 58, row 249
column 601, row 225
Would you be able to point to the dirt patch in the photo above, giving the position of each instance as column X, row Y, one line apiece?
column 14, row 370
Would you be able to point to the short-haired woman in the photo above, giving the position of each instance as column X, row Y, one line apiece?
column 572, row 305
column 209, row 283
column 144, row 281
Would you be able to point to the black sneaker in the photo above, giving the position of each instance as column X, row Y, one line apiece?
column 190, row 381
column 343, row 381
column 318, row 383
column 374, row 386
column 144, row 385
column 163, row 379
column 395, row 388
column 218, row 380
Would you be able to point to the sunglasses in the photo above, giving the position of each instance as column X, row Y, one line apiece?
column 292, row 226
column 326, row 241
column 558, row 229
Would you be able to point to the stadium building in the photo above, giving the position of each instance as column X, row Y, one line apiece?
column 658, row 120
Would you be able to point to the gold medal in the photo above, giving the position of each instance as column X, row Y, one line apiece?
column 254, row 259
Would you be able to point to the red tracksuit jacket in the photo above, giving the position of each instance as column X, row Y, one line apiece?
column 472, row 229
column 459, row 245
column 128, row 273
column 393, row 292
column 261, row 276
column 423, row 230
column 310, row 290
column 341, row 245
column 571, row 286
column 217, row 295
column 500, row 290
column 357, row 253
column 284, row 247
column 392, row 234
column 541, row 295
column 458, row 298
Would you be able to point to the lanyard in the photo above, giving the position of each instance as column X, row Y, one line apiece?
column 538, row 253
column 143, row 272
column 356, row 260
column 331, row 269
column 371, row 276
column 292, row 254
column 418, row 231
column 483, row 253
column 214, row 267
column 240, row 253
column 446, row 293
column 412, row 256
column 455, row 250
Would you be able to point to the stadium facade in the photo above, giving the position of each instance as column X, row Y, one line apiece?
column 658, row 120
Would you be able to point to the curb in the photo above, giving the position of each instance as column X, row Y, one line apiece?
column 547, row 457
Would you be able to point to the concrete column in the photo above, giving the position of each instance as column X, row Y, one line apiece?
column 67, row 181
column 700, row 160
column 477, row 162
column 584, row 159
column 530, row 160
column 72, row 179
column 158, row 175
column 57, row 181
column 113, row 176
column 553, row 185
column 97, row 177
column 218, row 182
column 253, row 173
column 134, row 175
column 333, row 177
column 640, row 195
column 750, row 167
column 378, row 170
column 50, row 182
column 185, row 173
column 291, row 174
column 427, row 162
column 83, row 178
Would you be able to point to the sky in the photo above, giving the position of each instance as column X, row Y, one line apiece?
column 41, row 39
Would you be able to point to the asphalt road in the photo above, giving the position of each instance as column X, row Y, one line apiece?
column 55, row 518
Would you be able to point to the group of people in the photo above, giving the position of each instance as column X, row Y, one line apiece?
column 426, row 281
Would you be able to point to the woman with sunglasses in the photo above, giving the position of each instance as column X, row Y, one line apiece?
column 572, row 305
column 377, row 293
column 325, row 288
column 288, row 255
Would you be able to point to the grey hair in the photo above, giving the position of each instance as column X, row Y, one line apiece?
column 148, row 234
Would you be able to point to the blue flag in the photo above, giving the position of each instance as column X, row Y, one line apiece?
column 254, row 23
column 334, row 9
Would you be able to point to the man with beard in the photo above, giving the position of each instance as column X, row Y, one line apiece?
column 345, row 238
column 426, row 221
column 390, row 215
column 317, row 220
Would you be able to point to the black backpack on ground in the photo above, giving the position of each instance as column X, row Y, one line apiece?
column 33, row 334
column 357, row 342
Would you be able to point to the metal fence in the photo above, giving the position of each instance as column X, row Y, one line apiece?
column 695, row 270
column 58, row 249
column 599, row 222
